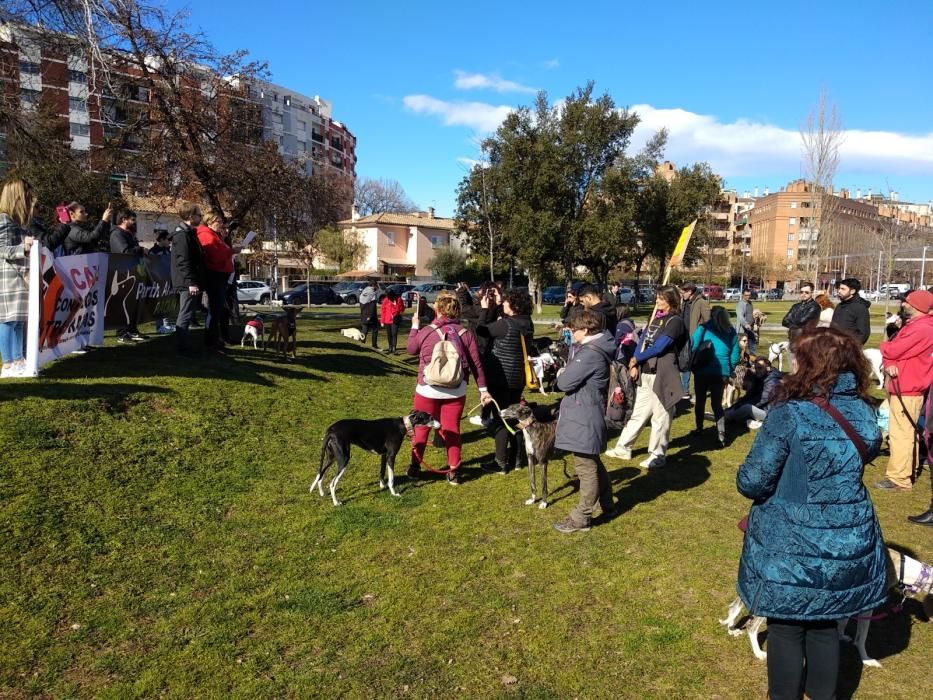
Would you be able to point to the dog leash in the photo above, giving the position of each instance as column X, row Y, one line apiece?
column 410, row 432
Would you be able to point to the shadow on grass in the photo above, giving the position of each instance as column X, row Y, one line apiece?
column 110, row 394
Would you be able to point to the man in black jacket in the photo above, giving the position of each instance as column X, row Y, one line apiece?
column 123, row 241
column 591, row 299
column 851, row 314
column 803, row 312
column 187, row 273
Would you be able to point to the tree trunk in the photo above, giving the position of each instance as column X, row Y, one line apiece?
column 308, row 285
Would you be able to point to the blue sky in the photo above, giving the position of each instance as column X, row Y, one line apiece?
column 419, row 83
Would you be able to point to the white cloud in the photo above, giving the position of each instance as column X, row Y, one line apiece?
column 745, row 147
column 479, row 116
column 469, row 162
column 490, row 81
column 552, row 64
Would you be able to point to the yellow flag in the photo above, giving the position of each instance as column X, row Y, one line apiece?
column 677, row 256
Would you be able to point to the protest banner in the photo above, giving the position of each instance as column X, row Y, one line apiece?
column 139, row 290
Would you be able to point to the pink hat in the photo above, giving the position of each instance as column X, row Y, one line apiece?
column 921, row 300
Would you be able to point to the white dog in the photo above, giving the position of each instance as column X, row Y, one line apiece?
column 776, row 352
column 873, row 355
column 909, row 575
column 255, row 329
column 353, row 334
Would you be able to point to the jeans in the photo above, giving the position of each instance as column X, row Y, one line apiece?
column 792, row 641
column 448, row 412
column 11, row 340
column 713, row 385
column 217, row 307
column 740, row 414
column 594, row 486
column 187, row 305
column 392, row 332
column 685, row 382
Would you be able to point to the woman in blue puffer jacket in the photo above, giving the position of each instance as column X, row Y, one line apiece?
column 715, row 347
column 813, row 549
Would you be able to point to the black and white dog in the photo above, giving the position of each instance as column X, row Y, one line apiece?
column 383, row 437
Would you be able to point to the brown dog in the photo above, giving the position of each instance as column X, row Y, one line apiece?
column 284, row 330
column 539, row 427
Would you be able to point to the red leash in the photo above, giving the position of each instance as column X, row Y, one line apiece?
column 410, row 432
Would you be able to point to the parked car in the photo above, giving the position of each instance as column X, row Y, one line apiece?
column 554, row 295
column 626, row 295
column 774, row 294
column 647, row 293
column 350, row 291
column 320, row 294
column 713, row 292
column 428, row 290
column 253, row 292
column 731, row 294
column 400, row 289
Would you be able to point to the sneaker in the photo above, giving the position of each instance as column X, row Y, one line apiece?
column 493, row 468
column 619, row 453
column 124, row 339
column 476, row 420
column 136, row 335
column 686, row 397
column 567, row 525
column 453, row 478
column 653, row 462
column 753, row 424
column 888, row 485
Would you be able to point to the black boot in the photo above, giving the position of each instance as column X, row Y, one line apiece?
column 923, row 518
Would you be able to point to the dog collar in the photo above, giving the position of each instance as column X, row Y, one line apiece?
column 522, row 424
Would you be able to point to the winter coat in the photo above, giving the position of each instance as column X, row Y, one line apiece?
column 14, row 295
column 761, row 391
column 911, row 351
column 187, row 259
column 124, row 242
column 852, row 315
column 813, row 549
column 800, row 314
column 421, row 342
column 218, row 256
column 725, row 350
column 80, row 240
column 503, row 360
column 696, row 311
column 667, row 384
column 391, row 311
column 581, row 426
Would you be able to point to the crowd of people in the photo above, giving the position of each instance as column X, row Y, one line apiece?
column 814, row 551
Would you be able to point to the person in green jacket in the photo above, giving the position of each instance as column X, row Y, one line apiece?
column 715, row 354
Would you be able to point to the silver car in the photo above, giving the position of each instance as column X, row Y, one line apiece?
column 253, row 292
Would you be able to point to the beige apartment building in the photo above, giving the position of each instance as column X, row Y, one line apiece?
column 785, row 244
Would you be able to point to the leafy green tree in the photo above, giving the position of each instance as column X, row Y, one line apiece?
column 448, row 264
column 343, row 248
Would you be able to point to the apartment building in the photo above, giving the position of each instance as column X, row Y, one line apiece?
column 305, row 130
column 403, row 244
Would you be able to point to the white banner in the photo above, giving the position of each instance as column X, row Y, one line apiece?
column 66, row 301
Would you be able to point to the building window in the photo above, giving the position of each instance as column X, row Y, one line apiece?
column 30, row 68
column 792, row 221
column 437, row 241
column 77, row 104
column 79, row 129
column 288, row 100
column 790, row 252
column 77, row 76
column 793, row 205
column 390, row 237
column 302, row 125
column 791, row 237
column 302, row 147
column 335, row 143
column 29, row 97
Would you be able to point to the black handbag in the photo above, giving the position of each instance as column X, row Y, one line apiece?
column 704, row 354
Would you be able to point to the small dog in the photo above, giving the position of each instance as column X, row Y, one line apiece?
column 383, row 437
column 254, row 329
column 776, row 352
column 283, row 330
column 904, row 573
column 353, row 334
column 736, row 383
column 540, row 431
column 873, row 355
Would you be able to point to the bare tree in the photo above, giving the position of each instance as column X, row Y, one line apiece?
column 821, row 136
column 373, row 196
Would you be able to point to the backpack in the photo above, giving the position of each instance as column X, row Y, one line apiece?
column 445, row 368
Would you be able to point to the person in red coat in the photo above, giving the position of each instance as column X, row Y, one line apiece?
column 218, row 261
column 390, row 316
column 908, row 364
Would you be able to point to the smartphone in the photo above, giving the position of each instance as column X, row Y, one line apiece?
column 62, row 212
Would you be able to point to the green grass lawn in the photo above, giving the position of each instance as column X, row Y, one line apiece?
column 158, row 539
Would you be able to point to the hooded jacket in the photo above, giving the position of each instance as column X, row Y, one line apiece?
column 813, row 549
column 581, row 426
column 607, row 312
column 852, row 315
column 187, row 259
column 911, row 351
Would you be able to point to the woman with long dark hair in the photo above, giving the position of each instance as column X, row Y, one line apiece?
column 813, row 550
column 715, row 347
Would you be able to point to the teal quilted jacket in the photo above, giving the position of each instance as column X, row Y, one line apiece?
column 813, row 549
